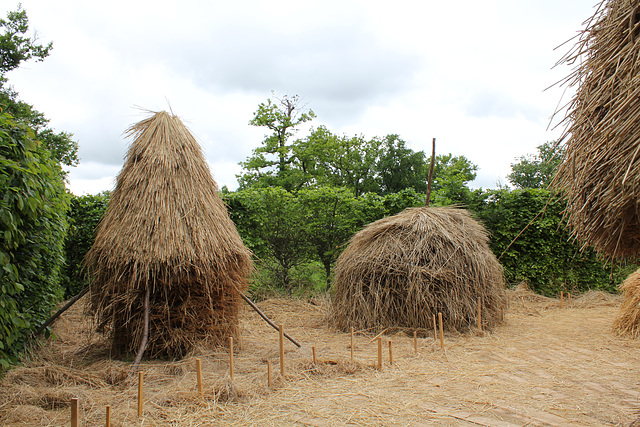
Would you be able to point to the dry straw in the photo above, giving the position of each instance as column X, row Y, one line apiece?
column 600, row 170
column 402, row 270
column 166, row 230
column 627, row 321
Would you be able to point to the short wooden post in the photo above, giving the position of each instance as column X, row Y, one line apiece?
column 352, row 344
column 379, row 352
column 269, row 380
column 561, row 299
column 415, row 341
column 479, row 321
column 108, row 421
column 441, row 331
column 140, row 393
column 313, row 351
column 199, row 378
column 435, row 328
column 390, row 353
column 74, row 412
column 231, row 357
column 281, row 330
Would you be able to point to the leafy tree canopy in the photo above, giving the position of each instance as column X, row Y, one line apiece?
column 536, row 170
column 16, row 48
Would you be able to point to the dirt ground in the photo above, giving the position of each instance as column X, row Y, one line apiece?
column 546, row 366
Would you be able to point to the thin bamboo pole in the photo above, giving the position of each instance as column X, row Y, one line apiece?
column 352, row 344
column 231, row 357
column 415, row 341
column 441, row 331
column 140, row 393
column 199, row 378
column 108, row 416
column 390, row 353
column 379, row 353
column 281, row 330
column 74, row 412
column 313, row 350
column 269, row 377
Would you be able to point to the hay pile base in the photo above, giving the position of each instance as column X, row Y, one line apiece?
column 600, row 171
column 627, row 321
column 402, row 270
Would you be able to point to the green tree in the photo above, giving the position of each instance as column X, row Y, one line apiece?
column 451, row 175
column 271, row 163
column 84, row 215
column 536, row 170
column 15, row 49
column 33, row 224
column 399, row 167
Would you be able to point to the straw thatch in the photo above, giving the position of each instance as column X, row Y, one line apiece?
column 600, row 171
column 166, row 229
column 627, row 321
column 401, row 270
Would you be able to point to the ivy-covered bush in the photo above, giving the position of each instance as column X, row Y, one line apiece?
column 33, row 225
column 85, row 213
column 542, row 255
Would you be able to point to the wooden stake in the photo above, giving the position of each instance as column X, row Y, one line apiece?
column 441, row 331
column 199, row 378
column 479, row 314
column 74, row 412
column 390, row 353
column 561, row 299
column 140, row 393
column 269, row 381
column 435, row 329
column 231, row 357
column 415, row 341
column 313, row 350
column 430, row 177
column 379, row 353
column 108, row 422
column 352, row 344
column 281, row 330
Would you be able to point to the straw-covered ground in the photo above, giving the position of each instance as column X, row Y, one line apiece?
column 546, row 365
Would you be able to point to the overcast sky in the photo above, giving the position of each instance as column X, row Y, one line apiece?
column 471, row 74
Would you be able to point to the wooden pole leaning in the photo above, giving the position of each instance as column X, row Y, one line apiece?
column 379, row 353
column 108, row 416
column 313, row 351
column 435, row 328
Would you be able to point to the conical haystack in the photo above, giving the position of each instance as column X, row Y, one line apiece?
column 166, row 230
column 400, row 271
column 628, row 320
column 600, row 171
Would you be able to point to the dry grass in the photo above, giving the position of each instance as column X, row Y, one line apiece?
column 628, row 319
column 599, row 173
column 400, row 271
column 166, row 230
column 543, row 366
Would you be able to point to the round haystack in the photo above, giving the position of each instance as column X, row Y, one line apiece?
column 628, row 320
column 166, row 230
column 401, row 270
column 600, row 171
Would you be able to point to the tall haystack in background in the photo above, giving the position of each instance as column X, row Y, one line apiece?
column 401, row 270
column 627, row 321
column 166, row 231
column 600, row 171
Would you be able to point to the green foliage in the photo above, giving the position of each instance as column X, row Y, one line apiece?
column 271, row 163
column 85, row 213
column 399, row 167
column 33, row 225
column 450, row 177
column 536, row 170
column 542, row 255
column 15, row 49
